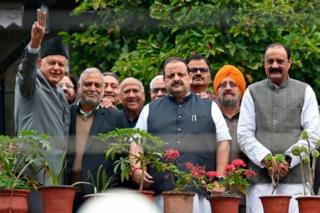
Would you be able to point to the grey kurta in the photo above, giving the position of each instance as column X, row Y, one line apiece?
column 40, row 106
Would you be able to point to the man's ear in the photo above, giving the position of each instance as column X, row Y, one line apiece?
column 290, row 62
column 39, row 62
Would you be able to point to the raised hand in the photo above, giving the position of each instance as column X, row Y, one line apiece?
column 38, row 29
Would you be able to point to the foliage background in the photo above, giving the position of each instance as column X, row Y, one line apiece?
column 133, row 37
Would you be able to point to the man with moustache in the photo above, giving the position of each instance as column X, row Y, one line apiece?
column 132, row 98
column 111, row 90
column 157, row 88
column 273, row 114
column 199, row 73
column 39, row 104
column 189, row 124
column 229, row 85
column 85, row 154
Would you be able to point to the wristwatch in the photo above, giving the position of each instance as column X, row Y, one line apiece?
column 288, row 158
column 219, row 178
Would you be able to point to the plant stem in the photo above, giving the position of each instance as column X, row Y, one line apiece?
column 302, row 175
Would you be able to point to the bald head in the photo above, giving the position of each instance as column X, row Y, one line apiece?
column 132, row 95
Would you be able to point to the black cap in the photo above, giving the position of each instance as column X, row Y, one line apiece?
column 53, row 46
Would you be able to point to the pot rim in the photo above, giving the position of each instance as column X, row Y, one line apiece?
column 224, row 196
column 277, row 195
column 56, row 187
column 306, row 197
column 178, row 193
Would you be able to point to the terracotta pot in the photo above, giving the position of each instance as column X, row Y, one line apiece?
column 178, row 202
column 57, row 198
column 309, row 204
column 275, row 203
column 149, row 194
column 14, row 201
column 224, row 203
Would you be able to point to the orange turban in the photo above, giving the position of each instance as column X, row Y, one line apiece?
column 232, row 72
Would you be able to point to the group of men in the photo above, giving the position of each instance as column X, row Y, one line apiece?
column 207, row 129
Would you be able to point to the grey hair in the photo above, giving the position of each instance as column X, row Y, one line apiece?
column 154, row 79
column 131, row 78
column 88, row 71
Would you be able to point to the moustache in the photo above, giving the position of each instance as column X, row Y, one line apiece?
column 175, row 83
column 228, row 93
column 275, row 70
column 197, row 78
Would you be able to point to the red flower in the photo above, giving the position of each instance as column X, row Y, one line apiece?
column 229, row 167
column 212, row 174
column 249, row 173
column 172, row 154
column 189, row 165
column 196, row 171
column 238, row 163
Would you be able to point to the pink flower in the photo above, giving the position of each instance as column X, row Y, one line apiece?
column 238, row 163
column 249, row 173
column 172, row 154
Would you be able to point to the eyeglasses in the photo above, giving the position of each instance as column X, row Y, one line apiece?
column 157, row 89
column 231, row 84
column 202, row 70
column 69, row 86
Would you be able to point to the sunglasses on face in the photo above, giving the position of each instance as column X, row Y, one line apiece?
column 157, row 89
column 196, row 69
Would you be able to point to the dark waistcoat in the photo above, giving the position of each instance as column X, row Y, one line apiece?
column 186, row 126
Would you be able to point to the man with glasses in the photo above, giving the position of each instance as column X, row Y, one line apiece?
column 199, row 73
column 273, row 114
column 157, row 88
column 69, row 86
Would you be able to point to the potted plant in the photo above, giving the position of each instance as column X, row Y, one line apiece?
column 17, row 155
column 118, row 149
column 309, row 202
column 275, row 203
column 100, row 184
column 179, row 199
column 56, row 197
column 235, row 182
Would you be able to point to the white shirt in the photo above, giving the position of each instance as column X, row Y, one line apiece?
column 256, row 151
column 222, row 131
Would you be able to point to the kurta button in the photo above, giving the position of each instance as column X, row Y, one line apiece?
column 178, row 141
column 179, row 129
column 180, row 105
column 179, row 116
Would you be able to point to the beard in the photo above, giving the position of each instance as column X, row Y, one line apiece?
column 228, row 102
